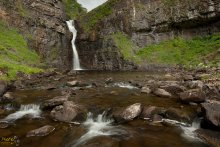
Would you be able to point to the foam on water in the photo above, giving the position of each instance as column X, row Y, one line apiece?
column 124, row 85
column 100, row 126
column 31, row 110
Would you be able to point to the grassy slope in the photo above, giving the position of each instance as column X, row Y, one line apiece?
column 15, row 55
column 172, row 52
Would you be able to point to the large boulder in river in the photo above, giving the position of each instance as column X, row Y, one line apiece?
column 179, row 115
column 129, row 113
column 3, row 87
column 210, row 137
column 66, row 112
column 149, row 112
column 162, row 93
column 43, row 131
column 212, row 112
column 49, row 104
column 193, row 95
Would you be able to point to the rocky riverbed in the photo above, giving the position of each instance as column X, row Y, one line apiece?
column 91, row 108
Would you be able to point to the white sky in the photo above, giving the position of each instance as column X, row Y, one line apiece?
column 91, row 4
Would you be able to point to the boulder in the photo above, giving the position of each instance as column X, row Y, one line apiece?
column 3, row 87
column 210, row 137
column 8, row 97
column 129, row 113
column 43, row 131
column 146, row 90
column 49, row 104
column 149, row 112
column 193, row 95
column 174, row 89
column 211, row 110
column 66, row 112
column 162, row 93
column 179, row 115
column 72, row 83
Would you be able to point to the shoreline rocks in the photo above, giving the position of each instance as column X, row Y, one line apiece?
column 43, row 131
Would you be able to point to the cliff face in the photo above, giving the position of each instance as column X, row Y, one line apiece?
column 145, row 22
column 42, row 23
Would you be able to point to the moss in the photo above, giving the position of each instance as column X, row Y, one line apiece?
column 126, row 47
column 73, row 8
column 185, row 52
column 15, row 55
column 21, row 10
column 89, row 20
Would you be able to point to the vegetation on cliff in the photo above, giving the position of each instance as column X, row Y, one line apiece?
column 73, row 8
column 178, row 51
column 15, row 55
column 89, row 20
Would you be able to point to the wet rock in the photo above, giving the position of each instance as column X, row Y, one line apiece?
column 72, row 83
column 188, row 77
column 8, row 97
column 146, row 90
column 210, row 137
column 149, row 112
column 50, row 87
column 43, row 131
column 3, row 87
column 4, row 124
column 2, row 111
column 114, row 93
column 179, row 115
column 129, row 113
column 194, row 84
column 49, row 104
column 193, row 95
column 109, row 80
column 211, row 110
column 174, row 89
column 66, row 112
column 162, row 93
column 157, row 118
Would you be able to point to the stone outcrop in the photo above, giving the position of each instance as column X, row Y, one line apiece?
column 43, row 131
column 42, row 23
column 144, row 22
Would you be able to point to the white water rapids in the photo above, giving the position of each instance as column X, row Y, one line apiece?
column 31, row 110
column 100, row 126
column 76, row 64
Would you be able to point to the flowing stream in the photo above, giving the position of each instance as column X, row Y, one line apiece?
column 98, row 128
column 76, row 63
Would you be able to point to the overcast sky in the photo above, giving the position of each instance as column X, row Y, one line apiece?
column 91, row 4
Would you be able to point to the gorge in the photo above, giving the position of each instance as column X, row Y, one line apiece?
column 129, row 73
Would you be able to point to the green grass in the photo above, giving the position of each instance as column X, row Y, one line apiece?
column 73, row 8
column 15, row 55
column 125, row 46
column 89, row 20
column 185, row 52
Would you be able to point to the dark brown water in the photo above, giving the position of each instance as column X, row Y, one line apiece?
column 137, row 133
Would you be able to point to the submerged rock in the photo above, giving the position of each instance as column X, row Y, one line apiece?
column 3, row 87
column 210, row 137
column 66, row 112
column 43, row 131
column 8, row 97
column 162, row 93
column 129, row 113
column 211, row 110
column 193, row 95
column 72, row 83
column 59, row 100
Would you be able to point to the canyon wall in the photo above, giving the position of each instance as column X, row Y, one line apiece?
column 144, row 22
column 42, row 23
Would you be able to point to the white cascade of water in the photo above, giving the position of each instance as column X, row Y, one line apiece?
column 31, row 110
column 76, row 64
column 100, row 126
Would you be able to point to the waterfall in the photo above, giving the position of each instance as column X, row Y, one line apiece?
column 76, row 64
